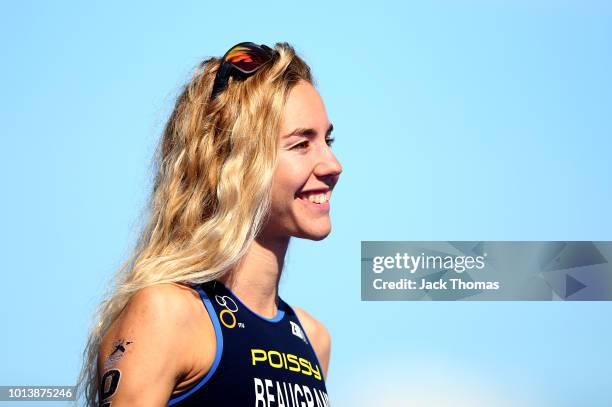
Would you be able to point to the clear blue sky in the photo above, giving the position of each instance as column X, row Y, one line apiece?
column 454, row 120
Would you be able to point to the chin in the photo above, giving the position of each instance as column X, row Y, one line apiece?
column 314, row 234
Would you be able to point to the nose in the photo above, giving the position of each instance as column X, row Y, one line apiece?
column 328, row 165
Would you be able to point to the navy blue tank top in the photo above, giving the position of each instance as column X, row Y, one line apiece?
column 259, row 362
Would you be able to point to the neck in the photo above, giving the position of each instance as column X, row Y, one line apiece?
column 255, row 279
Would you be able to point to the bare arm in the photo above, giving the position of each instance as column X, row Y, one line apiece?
column 143, row 354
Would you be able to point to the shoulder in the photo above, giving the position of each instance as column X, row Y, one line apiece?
column 318, row 334
column 160, row 307
column 169, row 299
column 142, row 343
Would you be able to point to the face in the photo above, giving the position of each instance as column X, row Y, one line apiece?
column 307, row 169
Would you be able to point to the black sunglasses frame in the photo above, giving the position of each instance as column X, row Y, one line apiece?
column 230, row 70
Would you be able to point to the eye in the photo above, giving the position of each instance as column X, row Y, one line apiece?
column 304, row 144
column 301, row 145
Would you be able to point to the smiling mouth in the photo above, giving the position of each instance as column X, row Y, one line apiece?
column 316, row 201
column 316, row 197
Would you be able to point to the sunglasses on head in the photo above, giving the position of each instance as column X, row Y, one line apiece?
column 240, row 61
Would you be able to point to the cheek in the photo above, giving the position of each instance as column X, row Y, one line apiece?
column 288, row 180
column 283, row 195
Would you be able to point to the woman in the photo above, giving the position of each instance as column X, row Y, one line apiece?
column 195, row 319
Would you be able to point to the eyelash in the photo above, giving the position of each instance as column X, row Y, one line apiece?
column 329, row 140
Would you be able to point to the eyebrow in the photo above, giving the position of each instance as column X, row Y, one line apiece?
column 308, row 132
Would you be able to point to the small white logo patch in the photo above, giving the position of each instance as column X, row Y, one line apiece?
column 297, row 331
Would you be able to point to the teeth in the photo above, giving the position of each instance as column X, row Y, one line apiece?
column 317, row 198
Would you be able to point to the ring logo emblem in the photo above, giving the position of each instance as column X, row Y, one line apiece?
column 227, row 317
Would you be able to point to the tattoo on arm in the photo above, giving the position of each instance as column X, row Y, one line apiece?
column 108, row 386
column 119, row 348
column 110, row 379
